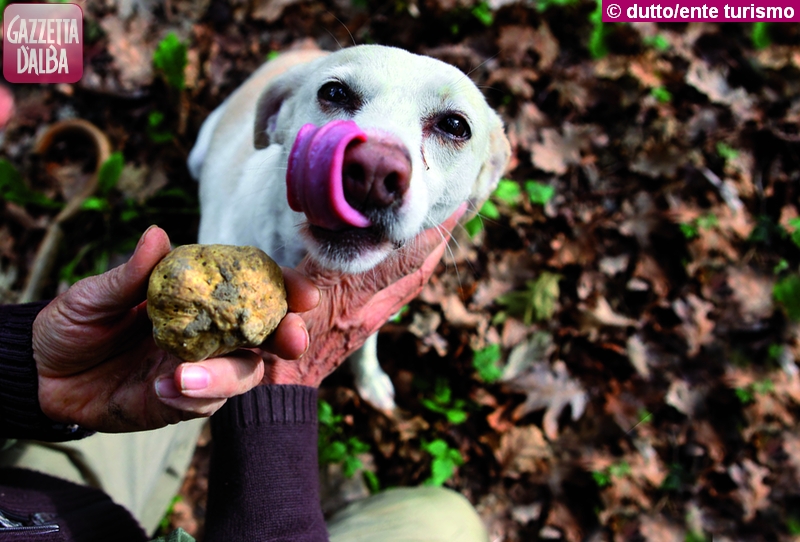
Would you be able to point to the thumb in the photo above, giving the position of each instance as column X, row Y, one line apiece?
column 125, row 286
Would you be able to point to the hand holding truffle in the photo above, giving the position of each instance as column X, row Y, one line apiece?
column 99, row 366
column 353, row 307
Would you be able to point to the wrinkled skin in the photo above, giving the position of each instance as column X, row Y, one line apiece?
column 353, row 307
column 208, row 300
column 99, row 367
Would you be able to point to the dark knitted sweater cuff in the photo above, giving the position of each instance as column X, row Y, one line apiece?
column 265, row 405
column 20, row 415
column 264, row 479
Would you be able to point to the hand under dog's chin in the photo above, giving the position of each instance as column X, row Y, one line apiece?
column 350, row 251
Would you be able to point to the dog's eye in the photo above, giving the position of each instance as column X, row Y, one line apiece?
column 455, row 126
column 334, row 92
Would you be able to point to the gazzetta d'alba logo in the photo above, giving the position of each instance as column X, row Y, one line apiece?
column 42, row 43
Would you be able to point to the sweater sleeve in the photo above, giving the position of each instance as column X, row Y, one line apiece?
column 20, row 415
column 264, row 479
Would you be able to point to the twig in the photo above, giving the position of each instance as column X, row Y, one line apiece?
column 46, row 253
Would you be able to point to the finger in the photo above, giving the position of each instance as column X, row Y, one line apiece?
column 188, row 407
column 132, row 283
column 302, row 294
column 218, row 378
column 290, row 340
column 123, row 287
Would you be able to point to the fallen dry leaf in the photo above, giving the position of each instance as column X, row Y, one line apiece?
column 697, row 328
column 713, row 82
column 752, row 492
column 523, row 450
column 550, row 388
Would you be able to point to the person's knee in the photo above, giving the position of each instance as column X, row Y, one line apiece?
column 421, row 513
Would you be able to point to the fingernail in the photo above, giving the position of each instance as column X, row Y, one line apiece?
column 166, row 388
column 141, row 239
column 194, row 378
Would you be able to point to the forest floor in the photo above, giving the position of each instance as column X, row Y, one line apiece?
column 610, row 354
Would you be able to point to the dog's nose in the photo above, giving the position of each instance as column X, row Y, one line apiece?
column 375, row 173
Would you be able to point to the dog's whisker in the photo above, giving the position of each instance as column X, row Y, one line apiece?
column 482, row 63
column 345, row 27
column 334, row 38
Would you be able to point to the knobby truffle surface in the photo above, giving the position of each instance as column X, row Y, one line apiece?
column 208, row 300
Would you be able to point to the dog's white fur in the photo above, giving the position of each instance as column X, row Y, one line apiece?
column 242, row 151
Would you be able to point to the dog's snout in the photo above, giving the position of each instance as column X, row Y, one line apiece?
column 375, row 173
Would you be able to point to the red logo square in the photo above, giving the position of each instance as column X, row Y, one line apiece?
column 43, row 43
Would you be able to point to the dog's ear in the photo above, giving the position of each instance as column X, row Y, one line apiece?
column 269, row 105
column 496, row 161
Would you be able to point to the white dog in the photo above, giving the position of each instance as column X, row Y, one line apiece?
column 345, row 156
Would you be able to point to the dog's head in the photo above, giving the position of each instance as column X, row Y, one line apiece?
column 380, row 144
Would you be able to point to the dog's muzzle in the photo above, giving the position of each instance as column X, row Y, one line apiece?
column 338, row 174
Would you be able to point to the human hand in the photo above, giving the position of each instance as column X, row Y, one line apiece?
column 100, row 368
column 353, row 307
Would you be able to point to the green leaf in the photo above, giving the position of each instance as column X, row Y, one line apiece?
column 437, row 447
column 325, row 415
column 597, row 39
column 539, row 193
column 272, row 55
column 441, row 471
column 489, row 210
column 544, row 5
column 763, row 387
column 372, row 481
column 726, row 151
column 601, row 478
column 485, row 361
column 787, row 292
column 456, row 416
column 110, row 172
column 658, row 42
column 689, row 230
column 793, row 525
column 93, row 203
column 508, row 191
column 433, row 406
column 14, row 189
column 397, row 317
column 694, row 536
column 333, row 452
column 707, row 222
column 357, row 446
column 795, row 235
column 442, row 392
column 474, row 226
column 661, row 94
column 537, row 302
column 155, row 128
column 483, row 13
column 170, row 58
column 744, row 395
column 619, row 470
column 760, row 35
column 774, row 351
column 351, row 465
column 445, row 460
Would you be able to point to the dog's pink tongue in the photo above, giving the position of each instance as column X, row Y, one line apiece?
column 314, row 176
